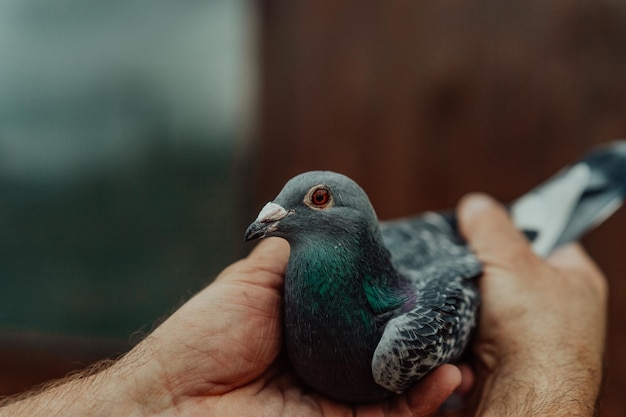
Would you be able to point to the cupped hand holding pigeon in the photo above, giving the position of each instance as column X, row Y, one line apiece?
column 540, row 340
column 219, row 354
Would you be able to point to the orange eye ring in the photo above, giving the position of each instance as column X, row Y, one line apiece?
column 319, row 197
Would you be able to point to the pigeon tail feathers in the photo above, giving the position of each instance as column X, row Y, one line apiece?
column 575, row 200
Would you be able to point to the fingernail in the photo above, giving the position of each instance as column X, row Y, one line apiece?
column 476, row 202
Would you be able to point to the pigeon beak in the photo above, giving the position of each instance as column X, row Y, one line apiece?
column 266, row 222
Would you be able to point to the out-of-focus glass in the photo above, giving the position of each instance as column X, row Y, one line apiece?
column 118, row 122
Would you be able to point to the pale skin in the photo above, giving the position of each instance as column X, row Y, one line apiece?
column 537, row 353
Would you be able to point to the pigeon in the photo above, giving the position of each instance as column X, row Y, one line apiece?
column 371, row 307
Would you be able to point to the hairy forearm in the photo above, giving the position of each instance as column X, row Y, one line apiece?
column 105, row 389
column 555, row 392
column 81, row 394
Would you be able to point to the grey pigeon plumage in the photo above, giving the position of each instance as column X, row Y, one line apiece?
column 371, row 308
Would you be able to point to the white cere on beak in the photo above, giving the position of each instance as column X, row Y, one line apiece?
column 271, row 212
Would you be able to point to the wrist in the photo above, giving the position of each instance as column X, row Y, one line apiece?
column 135, row 384
column 123, row 388
column 90, row 393
column 534, row 387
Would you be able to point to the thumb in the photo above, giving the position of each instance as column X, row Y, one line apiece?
column 425, row 398
column 489, row 230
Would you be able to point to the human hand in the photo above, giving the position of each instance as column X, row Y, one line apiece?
column 218, row 355
column 540, row 339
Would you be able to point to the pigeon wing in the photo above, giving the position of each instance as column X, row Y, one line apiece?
column 437, row 327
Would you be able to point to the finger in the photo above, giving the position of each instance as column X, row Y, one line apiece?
column 264, row 265
column 468, row 378
column 489, row 230
column 429, row 394
column 273, row 249
column 485, row 222
column 573, row 258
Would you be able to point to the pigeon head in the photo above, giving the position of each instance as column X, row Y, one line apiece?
column 315, row 204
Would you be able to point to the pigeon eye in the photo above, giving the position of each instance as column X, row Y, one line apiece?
column 319, row 198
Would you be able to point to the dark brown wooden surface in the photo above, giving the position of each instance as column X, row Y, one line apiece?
column 421, row 102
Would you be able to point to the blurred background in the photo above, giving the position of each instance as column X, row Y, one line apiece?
column 119, row 126
column 138, row 139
